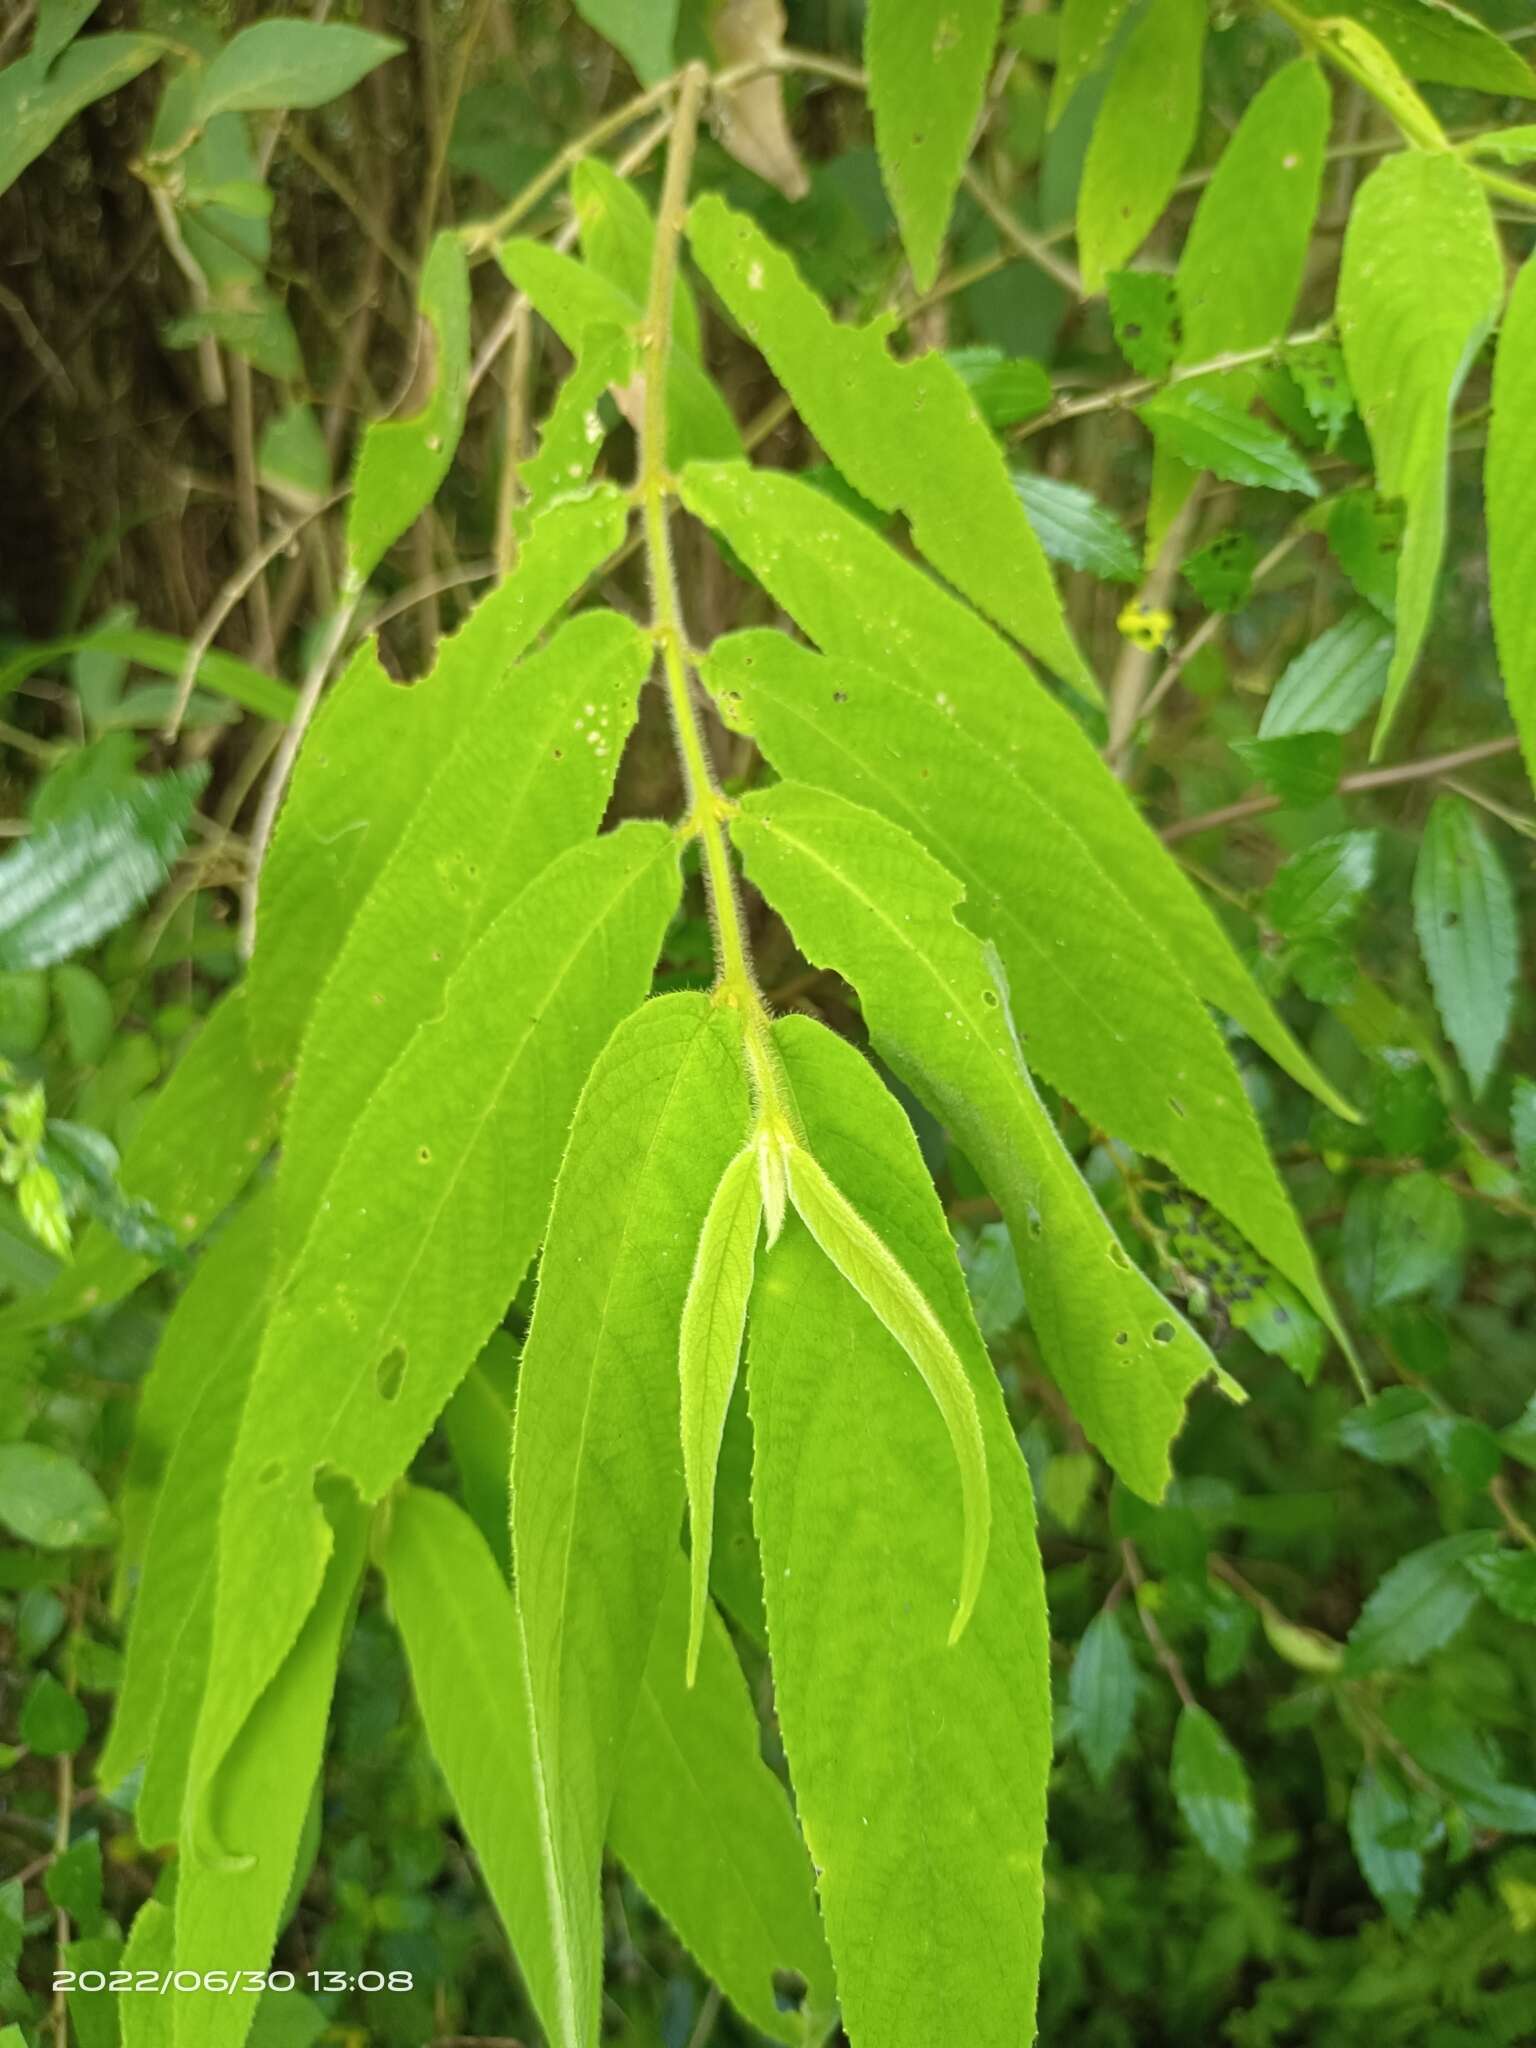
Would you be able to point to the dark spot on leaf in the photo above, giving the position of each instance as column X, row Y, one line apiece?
column 1163, row 1333
column 391, row 1372
column 270, row 1473
column 839, row 696
column 1122, row 1336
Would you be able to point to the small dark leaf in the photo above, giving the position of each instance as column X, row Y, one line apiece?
column 53, row 1722
column 1301, row 768
column 1211, row 1786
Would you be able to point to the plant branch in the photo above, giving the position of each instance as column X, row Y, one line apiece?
column 1134, row 388
column 1162, row 1649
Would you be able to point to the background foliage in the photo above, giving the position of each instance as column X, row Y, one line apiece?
column 1294, row 1780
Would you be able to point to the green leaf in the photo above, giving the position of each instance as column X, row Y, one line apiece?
column 1511, row 487
column 1221, row 573
column 872, row 1270
column 1464, row 1759
column 575, row 298
column 640, row 30
column 597, row 1493
column 232, row 1889
column 920, row 715
column 71, row 883
column 1207, row 430
column 1073, row 527
column 1420, row 1604
column 1145, row 130
column 1508, row 1577
column 37, row 99
column 1433, row 40
column 1088, row 29
column 1301, row 768
column 1006, row 389
column 892, row 1737
column 1469, row 934
column 1365, row 533
column 907, row 436
column 1245, row 255
column 1144, row 312
column 1211, row 1786
column 437, row 1198
column 282, row 64
column 1317, row 369
column 707, row 1832
column 47, row 1499
column 572, row 436
column 73, row 1882
column 1102, row 1691
column 231, row 678
column 1317, row 894
column 1504, row 145
column 1523, row 1131
column 1380, row 1814
column 1420, row 285
column 293, row 458
column 1395, row 1427
column 52, row 1721
column 864, row 898
column 402, row 460
column 262, row 333
column 709, row 1351
column 1402, row 1238
column 526, row 776
column 1332, row 683
column 927, row 62
column 184, row 1437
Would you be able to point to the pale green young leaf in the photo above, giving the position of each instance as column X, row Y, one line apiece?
column 1469, row 933
column 1102, row 1690
column 451, row 1605
column 1332, row 683
column 229, row 1906
column 709, row 1351
column 282, row 64
column 1145, row 130
column 403, row 459
column 527, row 775
column 597, row 1490
column 1210, row 1783
column 478, row 1425
column 1087, row 34
column 927, row 62
column 1207, row 429
column 706, row 1830
column 184, row 1436
column 894, row 1737
column 640, row 30
column 907, row 436
column 572, row 435
column 338, row 830
column 618, row 237
column 1419, row 287
column 1001, row 788
column 1433, row 40
column 574, row 297
column 1505, row 145
column 48, row 1498
column 437, row 1199
column 38, row 100
column 868, row 1265
column 1511, row 485
column 71, row 883
column 863, row 898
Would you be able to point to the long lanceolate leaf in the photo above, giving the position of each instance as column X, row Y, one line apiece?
column 907, row 435
column 919, row 1768
column 427, row 1224
column 1512, row 508
column 923, row 716
column 709, row 1350
column 597, row 1490
column 862, row 897
column 1419, row 288
column 1145, row 129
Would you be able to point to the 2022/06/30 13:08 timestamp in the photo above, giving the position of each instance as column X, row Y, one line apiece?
column 252, row 1982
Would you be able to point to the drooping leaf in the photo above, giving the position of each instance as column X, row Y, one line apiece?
column 1087, row 34
column 862, row 897
column 597, row 1492
column 404, row 458
column 927, row 62
column 1419, row 287
column 1380, row 1813
column 282, row 64
column 1206, row 429
column 709, row 1351
column 894, row 1738
column 905, row 435
column 1469, row 934
column 1210, row 1783
column 37, row 101
column 48, row 1499
column 749, row 117
column 1419, row 1605
column 1145, row 129
column 641, row 30
column 1073, row 527
column 1511, row 487
column 1103, row 1689
column 225, row 673
column 436, row 1201
column 1332, row 683
column 71, row 883
column 707, row 1832
column 1433, row 40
